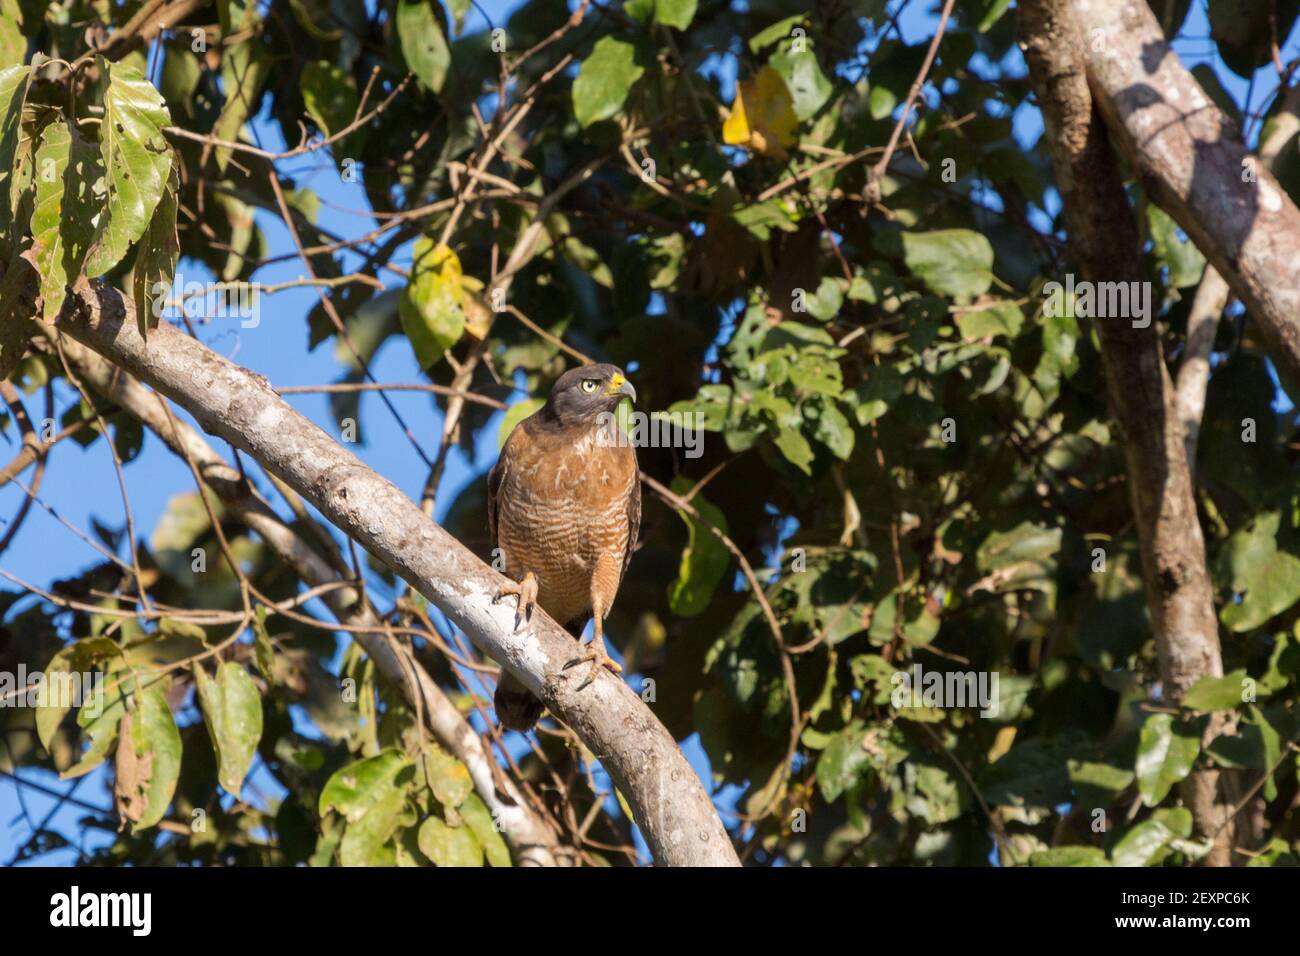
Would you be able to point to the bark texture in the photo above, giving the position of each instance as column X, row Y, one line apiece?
column 532, row 842
column 1213, row 293
column 1192, row 162
column 1104, row 239
column 670, row 804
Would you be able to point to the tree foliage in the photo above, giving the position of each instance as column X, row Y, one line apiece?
column 914, row 457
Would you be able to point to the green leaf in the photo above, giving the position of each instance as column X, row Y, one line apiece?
column 155, row 262
column 13, row 92
column 1256, row 745
column 1098, row 784
column 370, row 795
column 790, row 442
column 1146, row 843
column 705, row 559
column 1000, row 318
column 448, row 778
column 236, row 16
column 515, row 414
column 449, row 846
column 244, row 69
column 952, row 262
column 13, row 45
column 423, row 45
column 604, row 80
column 431, row 311
column 331, row 99
column 825, row 303
column 675, row 13
column 1217, row 693
column 314, row 17
column 1166, row 753
column 476, row 816
column 1069, row 856
column 458, row 8
column 232, row 710
column 1266, row 580
column 63, row 215
column 1183, row 259
column 883, row 387
column 52, row 703
column 778, row 31
column 99, row 718
column 1033, row 774
column 137, row 161
column 808, row 86
column 1028, row 541
column 148, row 760
column 842, row 761
column 834, row 431
column 992, row 13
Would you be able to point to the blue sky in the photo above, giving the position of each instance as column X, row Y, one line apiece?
column 82, row 486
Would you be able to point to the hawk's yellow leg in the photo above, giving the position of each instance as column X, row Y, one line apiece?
column 595, row 652
column 526, row 591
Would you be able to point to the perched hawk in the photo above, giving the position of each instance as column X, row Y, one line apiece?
column 564, row 507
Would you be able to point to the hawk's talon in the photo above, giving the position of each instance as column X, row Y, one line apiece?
column 526, row 592
column 598, row 657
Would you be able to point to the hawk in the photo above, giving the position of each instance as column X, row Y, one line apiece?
column 564, row 509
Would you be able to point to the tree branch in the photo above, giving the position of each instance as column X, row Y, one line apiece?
column 1212, row 297
column 1104, row 238
column 1192, row 162
column 671, row 806
column 532, row 841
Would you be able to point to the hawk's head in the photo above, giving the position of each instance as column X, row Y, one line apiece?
column 582, row 394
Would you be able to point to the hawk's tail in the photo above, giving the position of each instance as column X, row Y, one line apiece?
column 517, row 708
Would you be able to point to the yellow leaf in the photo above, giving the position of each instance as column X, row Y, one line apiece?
column 1002, row 743
column 432, row 309
column 762, row 117
column 447, row 276
column 478, row 317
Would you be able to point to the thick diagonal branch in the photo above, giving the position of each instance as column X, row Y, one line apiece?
column 1104, row 239
column 1193, row 163
column 530, row 839
column 1212, row 295
column 671, row 806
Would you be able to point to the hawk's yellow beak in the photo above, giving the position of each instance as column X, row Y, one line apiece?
column 618, row 385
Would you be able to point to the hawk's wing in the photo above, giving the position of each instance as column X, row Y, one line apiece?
column 633, row 522
column 494, row 485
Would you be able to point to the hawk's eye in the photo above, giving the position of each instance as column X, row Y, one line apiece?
column 590, row 385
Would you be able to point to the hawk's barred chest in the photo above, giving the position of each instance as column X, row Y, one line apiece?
column 562, row 507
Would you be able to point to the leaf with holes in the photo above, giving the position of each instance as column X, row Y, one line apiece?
column 423, row 45
column 148, row 760
column 13, row 91
column 137, row 161
column 65, row 171
column 369, row 794
column 155, row 263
